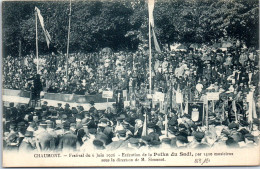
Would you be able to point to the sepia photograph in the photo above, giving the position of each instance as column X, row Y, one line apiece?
column 130, row 83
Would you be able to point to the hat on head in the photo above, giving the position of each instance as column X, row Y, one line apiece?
column 182, row 126
column 78, row 116
column 67, row 105
column 166, row 140
column 92, row 131
column 92, row 102
column 121, row 117
column 98, row 143
column 72, row 124
column 173, row 122
column 199, row 135
column 233, row 126
column 72, row 119
column 146, row 138
column 151, row 125
column 66, row 125
column 182, row 139
column 133, row 140
column 243, row 131
column 249, row 136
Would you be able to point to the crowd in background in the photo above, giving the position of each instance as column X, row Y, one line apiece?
column 233, row 72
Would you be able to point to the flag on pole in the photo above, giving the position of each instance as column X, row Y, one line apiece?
column 252, row 107
column 144, row 132
column 151, row 22
column 46, row 33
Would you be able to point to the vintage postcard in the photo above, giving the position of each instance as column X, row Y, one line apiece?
column 108, row 83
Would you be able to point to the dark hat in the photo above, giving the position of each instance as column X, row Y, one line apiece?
column 256, row 121
column 182, row 139
column 173, row 122
column 74, row 111
column 230, row 142
column 155, row 142
column 187, row 115
column 28, row 134
column 249, row 136
column 244, row 123
column 233, row 126
column 98, row 143
column 166, row 140
column 154, row 136
column 11, row 104
column 133, row 140
column 59, row 104
column 151, row 125
column 81, row 108
column 173, row 130
column 45, row 102
column 199, row 135
column 121, row 117
column 92, row 131
column 78, row 116
column 72, row 124
column 244, row 131
column 67, row 105
column 102, row 137
column 66, row 125
column 146, row 138
column 72, row 119
column 182, row 126
column 92, row 102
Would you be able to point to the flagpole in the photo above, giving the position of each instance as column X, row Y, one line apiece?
column 150, row 58
column 36, row 42
column 68, row 42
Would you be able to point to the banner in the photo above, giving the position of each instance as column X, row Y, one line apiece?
column 195, row 110
column 46, row 33
column 72, row 98
column 158, row 96
column 213, row 96
column 151, row 21
column 107, row 94
column 179, row 98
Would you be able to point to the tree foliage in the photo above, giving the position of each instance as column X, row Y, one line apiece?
column 123, row 24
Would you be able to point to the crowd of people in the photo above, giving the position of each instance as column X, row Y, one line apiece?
column 193, row 72
column 52, row 129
